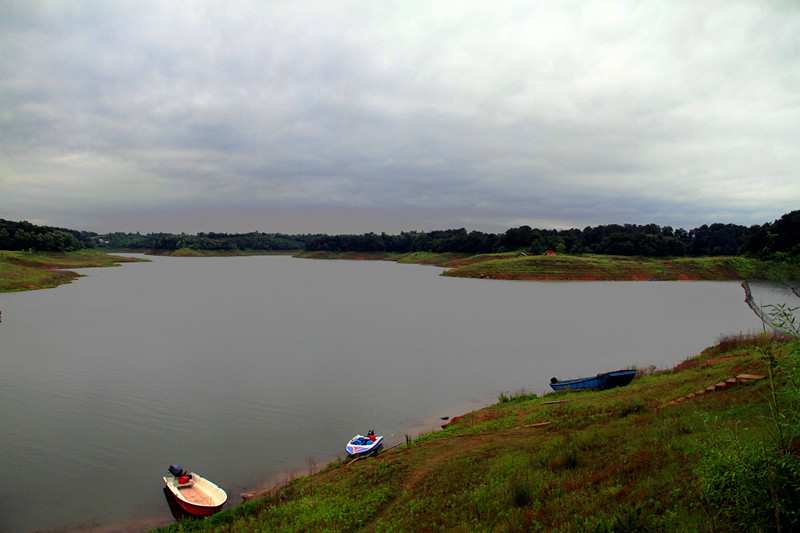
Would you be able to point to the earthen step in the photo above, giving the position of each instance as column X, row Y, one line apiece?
column 722, row 385
column 748, row 378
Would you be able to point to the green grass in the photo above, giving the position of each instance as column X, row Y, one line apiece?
column 418, row 258
column 618, row 268
column 509, row 265
column 26, row 271
column 615, row 460
column 20, row 271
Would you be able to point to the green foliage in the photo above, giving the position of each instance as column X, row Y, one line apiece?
column 521, row 494
column 630, row 240
column 785, row 319
column 601, row 267
column 744, row 341
column 519, row 396
column 570, row 458
column 751, row 486
column 779, row 240
column 632, row 408
column 630, row 519
column 752, row 482
column 18, row 236
column 210, row 242
column 23, row 270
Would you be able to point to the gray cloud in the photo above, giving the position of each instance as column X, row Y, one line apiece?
column 386, row 117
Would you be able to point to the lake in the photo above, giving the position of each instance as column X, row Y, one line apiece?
column 252, row 370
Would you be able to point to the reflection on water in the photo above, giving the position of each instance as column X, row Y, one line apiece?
column 178, row 513
column 174, row 507
column 244, row 367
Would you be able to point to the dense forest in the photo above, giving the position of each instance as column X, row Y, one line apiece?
column 778, row 240
column 204, row 241
column 633, row 240
column 27, row 236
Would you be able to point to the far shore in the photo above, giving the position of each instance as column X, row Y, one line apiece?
column 522, row 267
column 21, row 271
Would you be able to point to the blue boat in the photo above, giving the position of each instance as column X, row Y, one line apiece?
column 606, row 380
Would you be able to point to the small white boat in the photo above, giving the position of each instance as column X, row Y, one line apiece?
column 195, row 494
column 361, row 445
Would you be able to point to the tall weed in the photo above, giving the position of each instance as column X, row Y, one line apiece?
column 753, row 483
column 628, row 520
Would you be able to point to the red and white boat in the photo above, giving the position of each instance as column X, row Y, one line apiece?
column 195, row 494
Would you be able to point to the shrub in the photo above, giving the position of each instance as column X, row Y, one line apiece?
column 521, row 494
column 628, row 520
column 753, row 484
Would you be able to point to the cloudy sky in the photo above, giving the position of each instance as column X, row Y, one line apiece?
column 346, row 117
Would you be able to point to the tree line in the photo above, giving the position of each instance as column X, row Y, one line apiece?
column 224, row 242
column 648, row 240
column 27, row 236
column 778, row 240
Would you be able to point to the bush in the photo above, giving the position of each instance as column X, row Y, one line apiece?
column 753, row 484
column 521, row 494
column 753, row 487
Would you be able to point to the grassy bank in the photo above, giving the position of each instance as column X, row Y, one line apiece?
column 652, row 456
column 618, row 268
column 418, row 258
column 583, row 268
column 21, row 271
column 27, row 271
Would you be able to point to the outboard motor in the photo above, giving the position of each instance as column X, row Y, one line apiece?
column 176, row 470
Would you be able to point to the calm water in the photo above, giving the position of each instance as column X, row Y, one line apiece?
column 244, row 369
column 771, row 299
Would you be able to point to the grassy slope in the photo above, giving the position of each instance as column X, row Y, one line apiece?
column 581, row 268
column 590, row 461
column 24, row 271
column 599, row 267
column 20, row 271
column 426, row 258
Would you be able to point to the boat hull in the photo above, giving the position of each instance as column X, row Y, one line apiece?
column 200, row 497
column 354, row 448
column 606, row 380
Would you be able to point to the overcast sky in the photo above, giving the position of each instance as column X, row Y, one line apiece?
column 346, row 117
